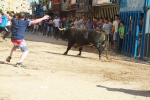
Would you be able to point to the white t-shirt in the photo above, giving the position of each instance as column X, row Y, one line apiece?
column 106, row 27
column 110, row 23
column 115, row 23
column 57, row 22
column 29, row 20
column 75, row 23
column 80, row 24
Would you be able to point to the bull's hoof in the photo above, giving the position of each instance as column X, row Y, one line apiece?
column 79, row 55
column 65, row 53
column 100, row 58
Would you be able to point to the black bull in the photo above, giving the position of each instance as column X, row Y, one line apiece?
column 80, row 38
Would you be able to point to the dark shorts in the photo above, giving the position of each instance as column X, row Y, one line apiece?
column 110, row 37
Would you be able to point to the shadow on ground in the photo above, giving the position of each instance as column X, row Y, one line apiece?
column 143, row 93
column 67, row 55
column 2, row 62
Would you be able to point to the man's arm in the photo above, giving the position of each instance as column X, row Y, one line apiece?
column 38, row 20
column 9, row 17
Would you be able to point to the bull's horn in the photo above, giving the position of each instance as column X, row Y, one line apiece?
column 64, row 28
column 60, row 29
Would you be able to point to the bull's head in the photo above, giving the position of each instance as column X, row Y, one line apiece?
column 65, row 32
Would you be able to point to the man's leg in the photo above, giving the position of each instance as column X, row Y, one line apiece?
column 24, row 49
column 7, row 30
column 23, row 56
column 11, row 53
column 114, row 40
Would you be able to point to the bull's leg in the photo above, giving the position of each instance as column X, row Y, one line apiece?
column 99, row 49
column 70, row 44
column 80, row 49
column 100, row 52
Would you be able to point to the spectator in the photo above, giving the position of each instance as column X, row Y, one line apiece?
column 75, row 22
column 100, row 24
column 67, row 24
column 89, row 24
column 95, row 23
column 45, row 32
column 36, row 26
column 139, row 36
column 56, row 23
column 3, row 26
column 29, row 26
column 81, row 23
column 115, row 30
column 106, row 28
column 121, row 35
column 50, row 27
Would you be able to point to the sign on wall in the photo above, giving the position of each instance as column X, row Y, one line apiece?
column 131, row 5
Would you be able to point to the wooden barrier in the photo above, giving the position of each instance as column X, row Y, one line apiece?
column 101, row 11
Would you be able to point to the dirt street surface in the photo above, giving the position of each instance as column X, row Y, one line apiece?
column 50, row 75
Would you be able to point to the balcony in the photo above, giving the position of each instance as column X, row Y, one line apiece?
column 72, row 5
column 105, row 2
column 37, row 8
column 68, row 5
column 64, row 5
column 57, row 7
column 84, row 6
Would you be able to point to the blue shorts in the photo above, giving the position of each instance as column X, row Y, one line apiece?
column 115, row 36
column 50, row 28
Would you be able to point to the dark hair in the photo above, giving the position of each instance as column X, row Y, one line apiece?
column 105, row 18
column 117, row 15
column 22, row 15
column 122, row 22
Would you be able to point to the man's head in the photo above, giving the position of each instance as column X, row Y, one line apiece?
column 22, row 15
column 141, row 21
column 56, row 17
column 83, row 16
column 88, row 20
column 122, row 23
column 17, row 16
column 116, row 17
column 106, row 20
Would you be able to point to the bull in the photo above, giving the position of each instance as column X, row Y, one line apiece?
column 80, row 38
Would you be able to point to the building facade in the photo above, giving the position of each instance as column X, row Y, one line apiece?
column 15, row 5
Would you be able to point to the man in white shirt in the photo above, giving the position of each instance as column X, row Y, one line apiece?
column 115, row 29
column 57, row 22
column 81, row 23
column 106, row 28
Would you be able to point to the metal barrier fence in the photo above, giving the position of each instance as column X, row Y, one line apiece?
column 130, row 41
column 146, row 53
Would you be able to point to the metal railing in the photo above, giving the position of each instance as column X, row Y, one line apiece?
column 105, row 2
column 64, row 6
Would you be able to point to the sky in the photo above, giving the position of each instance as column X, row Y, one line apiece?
column 32, row 0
